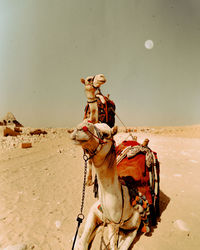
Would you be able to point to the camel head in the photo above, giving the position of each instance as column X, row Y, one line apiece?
column 89, row 88
column 90, row 136
column 94, row 81
column 99, row 80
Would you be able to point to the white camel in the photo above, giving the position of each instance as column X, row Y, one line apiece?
column 116, row 211
column 92, row 84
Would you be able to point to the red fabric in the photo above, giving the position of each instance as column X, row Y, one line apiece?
column 135, row 167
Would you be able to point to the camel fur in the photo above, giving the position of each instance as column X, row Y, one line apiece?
column 114, row 198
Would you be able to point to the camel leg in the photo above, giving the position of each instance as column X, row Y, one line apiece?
column 113, row 233
column 127, row 240
column 134, row 223
column 93, row 220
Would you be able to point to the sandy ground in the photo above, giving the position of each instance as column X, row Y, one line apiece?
column 40, row 190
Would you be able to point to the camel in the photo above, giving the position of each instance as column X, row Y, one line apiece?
column 103, row 109
column 92, row 84
column 113, row 207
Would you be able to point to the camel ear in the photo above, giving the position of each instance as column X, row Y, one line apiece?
column 114, row 130
column 83, row 80
column 70, row 130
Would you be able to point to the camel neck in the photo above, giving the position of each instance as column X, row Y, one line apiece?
column 109, row 186
column 107, row 153
column 92, row 101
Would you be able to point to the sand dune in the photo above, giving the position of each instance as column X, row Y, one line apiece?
column 40, row 189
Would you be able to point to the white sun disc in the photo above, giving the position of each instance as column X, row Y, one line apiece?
column 148, row 44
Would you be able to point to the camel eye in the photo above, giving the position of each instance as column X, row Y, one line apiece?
column 105, row 134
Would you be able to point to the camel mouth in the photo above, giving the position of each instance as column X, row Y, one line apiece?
column 99, row 83
column 79, row 142
column 76, row 142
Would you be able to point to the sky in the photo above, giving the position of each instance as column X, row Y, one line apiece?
column 46, row 46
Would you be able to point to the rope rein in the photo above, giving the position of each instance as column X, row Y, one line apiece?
column 80, row 216
column 130, row 134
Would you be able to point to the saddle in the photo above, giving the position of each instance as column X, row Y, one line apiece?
column 138, row 169
column 106, row 110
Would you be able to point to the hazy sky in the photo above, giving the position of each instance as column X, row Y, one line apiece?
column 46, row 46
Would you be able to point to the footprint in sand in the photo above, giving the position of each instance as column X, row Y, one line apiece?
column 177, row 175
column 194, row 161
column 58, row 224
column 185, row 153
column 181, row 225
column 16, row 247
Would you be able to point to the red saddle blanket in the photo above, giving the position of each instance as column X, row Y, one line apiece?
column 136, row 168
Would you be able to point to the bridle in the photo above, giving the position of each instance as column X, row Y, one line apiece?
column 91, row 82
column 99, row 136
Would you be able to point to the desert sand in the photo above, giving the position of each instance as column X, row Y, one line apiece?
column 41, row 187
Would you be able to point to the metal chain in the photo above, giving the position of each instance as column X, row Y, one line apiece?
column 81, row 216
column 85, row 158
